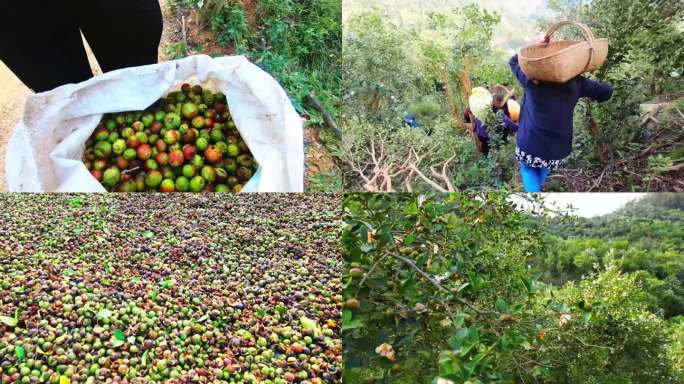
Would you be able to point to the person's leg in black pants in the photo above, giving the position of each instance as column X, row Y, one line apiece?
column 41, row 43
column 122, row 33
column 48, row 51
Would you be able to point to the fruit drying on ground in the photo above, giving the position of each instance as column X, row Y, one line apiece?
column 184, row 128
column 181, row 288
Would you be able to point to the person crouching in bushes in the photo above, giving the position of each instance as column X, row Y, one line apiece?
column 546, row 123
column 504, row 124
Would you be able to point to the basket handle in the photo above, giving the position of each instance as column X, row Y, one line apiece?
column 588, row 35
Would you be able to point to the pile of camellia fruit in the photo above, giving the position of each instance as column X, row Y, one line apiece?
column 182, row 288
column 184, row 142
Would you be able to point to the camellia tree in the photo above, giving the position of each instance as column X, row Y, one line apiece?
column 438, row 289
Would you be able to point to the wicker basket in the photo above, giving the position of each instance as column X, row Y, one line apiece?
column 560, row 61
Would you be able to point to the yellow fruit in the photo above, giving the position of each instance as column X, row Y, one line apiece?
column 356, row 272
column 514, row 110
column 352, row 304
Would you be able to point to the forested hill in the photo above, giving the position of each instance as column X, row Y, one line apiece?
column 638, row 219
column 647, row 235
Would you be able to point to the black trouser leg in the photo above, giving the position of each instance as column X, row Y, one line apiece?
column 122, row 33
column 41, row 43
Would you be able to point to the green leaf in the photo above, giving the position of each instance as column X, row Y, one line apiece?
column 354, row 324
column 457, row 341
column 107, row 268
column 119, row 335
column 167, row 283
column 8, row 321
column 459, row 320
column 143, row 359
column 501, row 305
column 20, row 352
column 346, row 316
column 366, row 248
column 78, row 229
column 75, row 203
column 261, row 312
column 148, row 234
column 476, row 282
column 104, row 313
column 412, row 208
column 281, row 309
column 408, row 240
column 308, row 323
column 117, row 343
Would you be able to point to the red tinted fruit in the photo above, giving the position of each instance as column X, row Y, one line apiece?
column 213, row 154
column 144, row 152
column 189, row 151
column 176, row 158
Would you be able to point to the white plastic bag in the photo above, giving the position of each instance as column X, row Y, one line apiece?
column 45, row 151
column 480, row 101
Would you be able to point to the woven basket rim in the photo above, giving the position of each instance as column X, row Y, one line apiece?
column 578, row 44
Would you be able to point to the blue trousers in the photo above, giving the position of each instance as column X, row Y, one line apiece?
column 533, row 178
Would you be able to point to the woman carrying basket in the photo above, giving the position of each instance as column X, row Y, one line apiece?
column 546, row 124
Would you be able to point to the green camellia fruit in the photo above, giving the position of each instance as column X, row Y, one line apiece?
column 110, row 124
column 197, row 161
column 119, row 146
column 222, row 147
column 189, row 111
column 221, row 188
column 201, row 143
column 171, row 137
column 167, row 185
column 130, row 154
column 182, row 184
column 111, row 177
column 147, row 119
column 197, row 184
column 208, row 173
column 233, row 150
column 128, row 186
column 198, row 122
column 189, row 171
column 153, row 179
column 113, row 136
column 151, row 164
column 101, row 134
column 217, row 135
column 221, row 174
column 127, row 132
column 142, row 137
column 172, row 120
column 231, row 166
column 140, row 182
column 103, row 149
column 159, row 116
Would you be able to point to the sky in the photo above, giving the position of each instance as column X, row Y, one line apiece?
column 587, row 204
